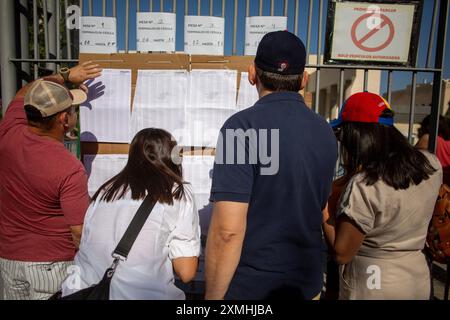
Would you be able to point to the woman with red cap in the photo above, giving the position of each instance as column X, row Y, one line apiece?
column 378, row 232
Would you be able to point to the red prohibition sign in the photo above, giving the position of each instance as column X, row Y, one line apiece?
column 384, row 21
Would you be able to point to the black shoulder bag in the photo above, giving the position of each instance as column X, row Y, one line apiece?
column 100, row 291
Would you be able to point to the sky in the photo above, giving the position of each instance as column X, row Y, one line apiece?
column 400, row 79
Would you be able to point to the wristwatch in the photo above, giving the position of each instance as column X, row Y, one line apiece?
column 65, row 72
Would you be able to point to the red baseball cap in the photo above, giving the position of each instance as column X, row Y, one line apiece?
column 364, row 107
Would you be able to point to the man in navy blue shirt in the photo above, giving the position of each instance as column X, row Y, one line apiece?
column 272, row 177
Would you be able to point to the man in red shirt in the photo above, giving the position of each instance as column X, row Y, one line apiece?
column 43, row 187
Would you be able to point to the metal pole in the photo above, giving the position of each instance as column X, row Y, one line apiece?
column 319, row 58
column 161, row 6
column 127, row 18
column 260, row 7
column 437, row 80
column 366, row 79
column 247, row 8
column 272, row 8
column 381, row 68
column 186, row 7
column 36, row 37
column 174, row 6
column 90, row 7
column 81, row 7
column 432, row 32
column 68, row 35
column 235, row 25
column 114, row 8
column 341, row 86
column 308, row 36
column 7, row 51
column 52, row 32
column 24, row 37
column 319, row 37
column 44, row 60
column 199, row 7
column 58, row 29
column 389, row 87
column 296, row 23
column 316, row 100
column 412, row 107
column 286, row 6
column 211, row 7
column 223, row 8
column 46, row 38
column 104, row 8
column 138, row 5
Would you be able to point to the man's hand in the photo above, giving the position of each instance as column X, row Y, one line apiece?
column 77, row 76
column 83, row 72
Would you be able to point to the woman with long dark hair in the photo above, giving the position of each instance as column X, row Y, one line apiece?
column 380, row 227
column 168, row 243
column 442, row 143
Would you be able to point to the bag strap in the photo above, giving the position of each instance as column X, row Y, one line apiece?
column 135, row 227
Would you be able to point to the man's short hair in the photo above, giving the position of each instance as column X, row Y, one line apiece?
column 36, row 120
column 280, row 61
column 277, row 82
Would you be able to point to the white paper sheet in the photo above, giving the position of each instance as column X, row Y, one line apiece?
column 98, row 35
column 197, row 170
column 160, row 102
column 204, row 35
column 156, row 31
column 212, row 100
column 203, row 126
column 213, row 89
column 105, row 117
column 248, row 95
column 257, row 27
column 101, row 168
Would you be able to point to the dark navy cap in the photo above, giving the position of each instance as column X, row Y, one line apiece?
column 281, row 52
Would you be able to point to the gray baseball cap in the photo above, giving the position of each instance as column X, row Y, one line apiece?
column 50, row 97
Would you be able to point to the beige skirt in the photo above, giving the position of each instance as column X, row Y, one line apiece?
column 401, row 278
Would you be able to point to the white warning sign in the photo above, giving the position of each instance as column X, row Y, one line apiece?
column 372, row 32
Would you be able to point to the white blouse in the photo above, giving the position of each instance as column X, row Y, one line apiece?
column 170, row 232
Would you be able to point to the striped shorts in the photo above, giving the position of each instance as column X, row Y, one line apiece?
column 32, row 280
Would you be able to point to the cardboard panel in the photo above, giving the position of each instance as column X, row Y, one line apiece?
column 135, row 62
column 158, row 61
column 239, row 63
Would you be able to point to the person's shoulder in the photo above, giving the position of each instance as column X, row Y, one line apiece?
column 240, row 119
column 67, row 160
column 358, row 182
column 434, row 161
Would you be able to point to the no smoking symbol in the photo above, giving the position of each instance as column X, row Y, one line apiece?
column 385, row 22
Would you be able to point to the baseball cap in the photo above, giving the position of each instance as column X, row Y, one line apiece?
column 50, row 97
column 364, row 107
column 281, row 52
